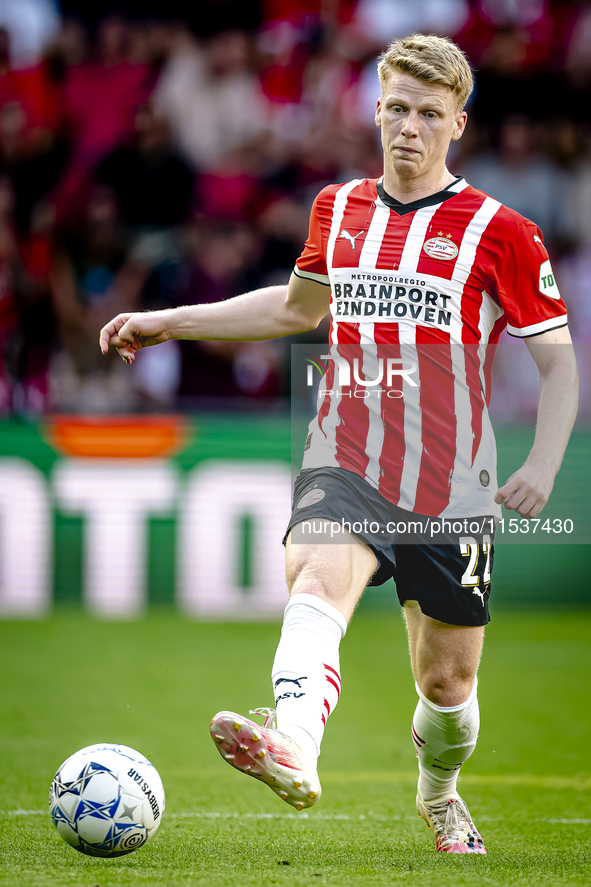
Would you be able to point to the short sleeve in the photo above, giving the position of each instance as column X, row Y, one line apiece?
column 526, row 285
column 312, row 262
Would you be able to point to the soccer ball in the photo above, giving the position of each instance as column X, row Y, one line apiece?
column 106, row 800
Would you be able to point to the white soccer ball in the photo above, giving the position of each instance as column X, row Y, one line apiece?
column 106, row 800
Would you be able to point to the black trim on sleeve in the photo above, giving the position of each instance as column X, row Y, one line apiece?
column 304, row 277
column 541, row 333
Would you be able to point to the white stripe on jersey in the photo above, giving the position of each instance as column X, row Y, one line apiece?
column 373, row 239
column 468, row 499
column 458, row 186
column 322, row 452
column 338, row 211
column 368, row 258
column 367, row 333
column 414, row 239
column 490, row 312
column 413, row 434
column 471, row 239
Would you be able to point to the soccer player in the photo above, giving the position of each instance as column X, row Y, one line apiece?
column 415, row 260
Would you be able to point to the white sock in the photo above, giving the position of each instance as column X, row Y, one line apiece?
column 306, row 673
column 444, row 738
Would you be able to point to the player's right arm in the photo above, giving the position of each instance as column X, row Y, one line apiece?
column 267, row 313
column 528, row 489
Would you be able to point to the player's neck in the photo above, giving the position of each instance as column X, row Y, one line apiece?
column 407, row 190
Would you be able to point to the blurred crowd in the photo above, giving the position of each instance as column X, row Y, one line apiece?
column 153, row 158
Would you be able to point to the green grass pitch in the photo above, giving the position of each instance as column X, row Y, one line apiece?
column 154, row 684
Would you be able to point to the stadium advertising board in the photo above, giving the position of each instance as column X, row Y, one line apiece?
column 121, row 510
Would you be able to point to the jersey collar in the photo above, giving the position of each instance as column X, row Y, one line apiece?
column 403, row 208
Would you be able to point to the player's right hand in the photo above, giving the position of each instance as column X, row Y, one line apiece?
column 130, row 332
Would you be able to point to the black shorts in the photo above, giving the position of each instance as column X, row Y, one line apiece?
column 450, row 581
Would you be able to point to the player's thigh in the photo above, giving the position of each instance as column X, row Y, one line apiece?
column 444, row 657
column 338, row 572
column 445, row 590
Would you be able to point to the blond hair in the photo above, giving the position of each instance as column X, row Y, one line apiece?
column 432, row 60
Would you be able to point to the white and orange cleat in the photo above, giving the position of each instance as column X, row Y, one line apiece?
column 450, row 821
column 266, row 754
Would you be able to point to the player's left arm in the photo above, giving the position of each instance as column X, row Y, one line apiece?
column 529, row 488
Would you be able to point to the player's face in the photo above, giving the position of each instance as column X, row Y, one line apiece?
column 418, row 121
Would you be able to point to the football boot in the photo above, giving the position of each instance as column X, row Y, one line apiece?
column 449, row 819
column 268, row 755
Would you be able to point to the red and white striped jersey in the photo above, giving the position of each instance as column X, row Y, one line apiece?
column 434, row 282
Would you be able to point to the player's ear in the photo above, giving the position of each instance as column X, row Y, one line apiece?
column 460, row 125
column 378, row 114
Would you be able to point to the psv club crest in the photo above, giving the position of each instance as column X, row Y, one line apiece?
column 441, row 247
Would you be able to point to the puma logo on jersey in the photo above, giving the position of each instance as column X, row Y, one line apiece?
column 537, row 239
column 480, row 594
column 344, row 233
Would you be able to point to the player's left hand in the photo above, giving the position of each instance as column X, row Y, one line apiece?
column 527, row 490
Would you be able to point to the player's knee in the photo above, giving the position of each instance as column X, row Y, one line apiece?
column 306, row 583
column 310, row 577
column 446, row 689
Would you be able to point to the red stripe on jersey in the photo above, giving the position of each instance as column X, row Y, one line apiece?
column 472, row 298
column 348, row 333
column 354, row 227
column 470, row 310
column 472, row 364
column 393, row 448
column 329, row 384
column 430, row 335
column 313, row 257
column 353, row 426
column 451, row 226
column 387, row 334
column 394, row 239
column 497, row 330
column 488, row 364
column 327, row 707
column 438, row 428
